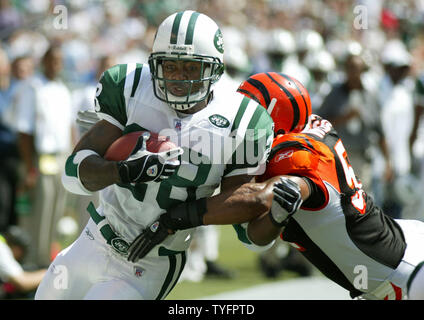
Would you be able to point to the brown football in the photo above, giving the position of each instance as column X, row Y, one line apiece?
column 121, row 148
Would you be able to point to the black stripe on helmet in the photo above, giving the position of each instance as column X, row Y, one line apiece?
column 251, row 96
column 262, row 89
column 300, row 91
column 295, row 106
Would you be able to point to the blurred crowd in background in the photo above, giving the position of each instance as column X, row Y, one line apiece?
column 361, row 60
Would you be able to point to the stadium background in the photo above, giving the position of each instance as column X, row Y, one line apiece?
column 90, row 30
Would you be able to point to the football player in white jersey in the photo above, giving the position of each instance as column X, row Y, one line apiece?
column 223, row 140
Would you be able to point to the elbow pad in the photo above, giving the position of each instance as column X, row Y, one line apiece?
column 71, row 178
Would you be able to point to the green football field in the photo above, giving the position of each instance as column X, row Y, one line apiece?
column 232, row 255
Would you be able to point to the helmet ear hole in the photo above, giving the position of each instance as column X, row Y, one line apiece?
column 281, row 131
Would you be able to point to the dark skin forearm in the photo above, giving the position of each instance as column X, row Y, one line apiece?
column 240, row 203
column 97, row 173
column 261, row 230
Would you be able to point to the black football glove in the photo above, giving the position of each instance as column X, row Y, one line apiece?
column 147, row 240
column 184, row 216
column 287, row 200
column 145, row 166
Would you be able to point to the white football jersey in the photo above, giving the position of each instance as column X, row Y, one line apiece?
column 231, row 136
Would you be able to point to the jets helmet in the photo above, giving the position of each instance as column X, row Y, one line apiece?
column 285, row 98
column 187, row 36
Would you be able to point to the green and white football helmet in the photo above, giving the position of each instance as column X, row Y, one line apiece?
column 187, row 36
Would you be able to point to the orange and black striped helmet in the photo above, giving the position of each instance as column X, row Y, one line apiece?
column 285, row 98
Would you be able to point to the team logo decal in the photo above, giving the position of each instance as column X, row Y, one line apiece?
column 218, row 41
column 119, row 245
column 89, row 234
column 284, row 155
column 151, row 172
column 219, row 121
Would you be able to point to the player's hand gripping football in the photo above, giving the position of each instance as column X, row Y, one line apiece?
column 145, row 166
column 287, row 200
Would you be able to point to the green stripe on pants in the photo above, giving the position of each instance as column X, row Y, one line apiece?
column 183, row 261
column 167, row 286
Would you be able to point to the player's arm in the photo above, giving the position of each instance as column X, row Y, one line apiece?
column 240, row 200
column 288, row 197
column 86, row 170
column 95, row 172
column 27, row 280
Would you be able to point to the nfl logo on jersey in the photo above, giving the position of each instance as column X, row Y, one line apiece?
column 177, row 124
column 138, row 272
column 152, row 171
column 154, row 226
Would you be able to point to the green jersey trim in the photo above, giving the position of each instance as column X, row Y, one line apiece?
column 116, row 86
column 256, row 126
column 241, row 233
column 110, row 97
column 71, row 168
column 137, row 77
column 240, row 112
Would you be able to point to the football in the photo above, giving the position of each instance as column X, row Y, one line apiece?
column 121, row 148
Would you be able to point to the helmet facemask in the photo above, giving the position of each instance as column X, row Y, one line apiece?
column 192, row 90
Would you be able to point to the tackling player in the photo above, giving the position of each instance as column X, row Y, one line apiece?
column 319, row 205
column 321, row 209
column 175, row 92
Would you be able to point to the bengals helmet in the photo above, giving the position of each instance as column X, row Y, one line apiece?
column 286, row 99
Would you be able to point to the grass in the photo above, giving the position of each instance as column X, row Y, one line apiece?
column 232, row 255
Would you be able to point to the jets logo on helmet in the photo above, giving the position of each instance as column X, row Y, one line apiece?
column 285, row 98
column 187, row 36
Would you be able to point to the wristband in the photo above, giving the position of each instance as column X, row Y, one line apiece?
column 70, row 177
column 186, row 215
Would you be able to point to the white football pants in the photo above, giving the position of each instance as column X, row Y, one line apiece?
column 91, row 269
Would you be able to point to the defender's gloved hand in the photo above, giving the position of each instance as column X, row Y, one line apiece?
column 145, row 166
column 287, row 200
